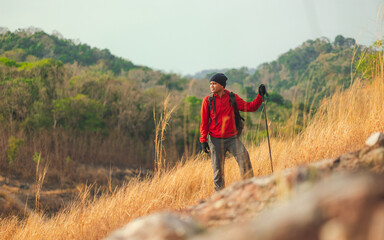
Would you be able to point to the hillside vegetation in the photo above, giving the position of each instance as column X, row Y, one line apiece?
column 33, row 44
column 341, row 123
column 73, row 104
column 72, row 111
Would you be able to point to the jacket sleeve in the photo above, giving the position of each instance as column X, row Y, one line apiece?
column 248, row 106
column 204, row 125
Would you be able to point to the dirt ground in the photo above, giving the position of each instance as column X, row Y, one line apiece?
column 18, row 198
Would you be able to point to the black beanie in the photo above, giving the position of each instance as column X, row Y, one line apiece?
column 220, row 78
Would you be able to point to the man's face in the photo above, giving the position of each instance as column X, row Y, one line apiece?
column 215, row 87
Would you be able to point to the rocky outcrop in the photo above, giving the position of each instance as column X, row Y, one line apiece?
column 346, row 206
column 244, row 200
column 341, row 198
column 158, row 226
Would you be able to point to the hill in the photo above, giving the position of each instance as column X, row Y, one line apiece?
column 33, row 44
column 312, row 70
column 208, row 72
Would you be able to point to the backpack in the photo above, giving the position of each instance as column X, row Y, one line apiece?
column 239, row 120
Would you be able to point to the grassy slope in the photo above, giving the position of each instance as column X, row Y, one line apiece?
column 342, row 124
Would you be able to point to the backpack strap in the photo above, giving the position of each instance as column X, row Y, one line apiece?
column 238, row 117
column 232, row 99
column 212, row 99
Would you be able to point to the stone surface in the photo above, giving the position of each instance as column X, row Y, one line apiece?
column 237, row 203
column 340, row 207
column 375, row 138
column 374, row 159
column 159, row 226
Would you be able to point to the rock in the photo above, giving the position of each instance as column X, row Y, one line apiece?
column 348, row 161
column 333, row 230
column 164, row 225
column 238, row 202
column 376, row 138
column 376, row 230
column 323, row 164
column 374, row 159
column 344, row 206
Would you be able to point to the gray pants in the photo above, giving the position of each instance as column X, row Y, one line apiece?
column 218, row 148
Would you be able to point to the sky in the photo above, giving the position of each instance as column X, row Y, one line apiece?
column 188, row 36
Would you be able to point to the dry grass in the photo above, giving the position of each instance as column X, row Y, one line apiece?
column 40, row 176
column 160, row 128
column 93, row 219
column 341, row 124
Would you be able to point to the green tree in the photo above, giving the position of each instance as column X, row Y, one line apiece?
column 237, row 75
column 79, row 112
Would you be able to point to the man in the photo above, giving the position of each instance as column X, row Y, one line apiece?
column 218, row 129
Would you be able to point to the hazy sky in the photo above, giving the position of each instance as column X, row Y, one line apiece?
column 187, row 36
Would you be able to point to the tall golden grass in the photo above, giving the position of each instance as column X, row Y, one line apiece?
column 342, row 123
column 160, row 128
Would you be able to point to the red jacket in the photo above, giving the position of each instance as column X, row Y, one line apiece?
column 225, row 115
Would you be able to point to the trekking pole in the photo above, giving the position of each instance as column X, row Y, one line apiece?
column 266, row 125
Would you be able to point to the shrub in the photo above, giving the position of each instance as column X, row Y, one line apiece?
column 13, row 148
